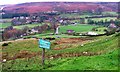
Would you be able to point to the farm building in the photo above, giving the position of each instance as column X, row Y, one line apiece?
column 92, row 33
column 112, row 25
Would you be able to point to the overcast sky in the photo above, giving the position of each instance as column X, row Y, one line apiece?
column 2, row 2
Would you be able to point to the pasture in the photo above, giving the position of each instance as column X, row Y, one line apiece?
column 4, row 25
column 105, row 18
column 77, row 28
column 110, row 13
column 74, row 15
column 29, row 25
column 77, row 15
column 81, row 28
column 65, row 54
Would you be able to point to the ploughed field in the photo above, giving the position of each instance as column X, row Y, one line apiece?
column 82, row 53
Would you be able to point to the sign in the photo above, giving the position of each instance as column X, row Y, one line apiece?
column 44, row 44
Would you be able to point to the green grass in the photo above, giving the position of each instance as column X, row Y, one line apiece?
column 108, row 60
column 63, row 29
column 74, row 15
column 100, row 30
column 108, row 18
column 77, row 28
column 55, row 36
column 4, row 25
column 29, row 25
column 8, row 20
column 110, row 13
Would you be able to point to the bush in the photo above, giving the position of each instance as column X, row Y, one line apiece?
column 28, row 37
column 49, row 38
column 5, row 44
column 110, row 31
column 76, row 34
column 117, row 35
column 93, row 29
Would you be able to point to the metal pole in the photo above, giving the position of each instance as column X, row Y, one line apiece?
column 43, row 56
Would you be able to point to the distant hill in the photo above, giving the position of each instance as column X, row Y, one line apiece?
column 34, row 7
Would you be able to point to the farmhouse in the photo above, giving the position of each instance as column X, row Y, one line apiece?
column 92, row 33
column 112, row 25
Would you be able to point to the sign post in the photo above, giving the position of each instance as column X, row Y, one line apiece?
column 44, row 44
column 43, row 56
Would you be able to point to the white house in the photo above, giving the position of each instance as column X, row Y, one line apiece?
column 92, row 33
column 112, row 25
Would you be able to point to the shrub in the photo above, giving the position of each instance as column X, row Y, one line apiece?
column 93, row 29
column 5, row 44
column 49, row 38
column 110, row 31
column 117, row 35
column 76, row 34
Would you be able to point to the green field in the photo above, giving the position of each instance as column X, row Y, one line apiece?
column 74, row 15
column 29, row 25
column 77, row 28
column 108, row 18
column 63, row 29
column 110, row 13
column 67, row 52
column 4, row 25
column 106, row 46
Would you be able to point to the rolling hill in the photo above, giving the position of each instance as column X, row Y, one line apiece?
column 34, row 7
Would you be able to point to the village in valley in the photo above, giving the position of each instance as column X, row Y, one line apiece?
column 83, row 36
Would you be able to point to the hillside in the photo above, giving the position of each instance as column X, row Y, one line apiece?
column 34, row 7
column 98, row 54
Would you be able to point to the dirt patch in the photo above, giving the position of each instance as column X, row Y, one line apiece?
column 62, row 47
column 64, row 43
column 70, row 40
column 24, row 54
column 64, row 55
column 20, row 54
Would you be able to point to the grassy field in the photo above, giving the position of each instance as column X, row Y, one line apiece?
column 63, row 29
column 110, row 13
column 77, row 28
column 67, row 52
column 4, row 25
column 100, row 30
column 74, row 15
column 101, row 62
column 108, row 18
column 29, row 25
column 106, row 46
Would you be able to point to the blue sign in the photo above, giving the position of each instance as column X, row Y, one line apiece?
column 44, row 44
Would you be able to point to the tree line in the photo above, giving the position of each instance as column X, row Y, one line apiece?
column 12, row 33
column 105, row 22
